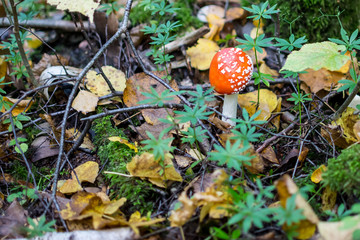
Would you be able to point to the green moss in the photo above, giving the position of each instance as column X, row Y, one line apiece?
column 115, row 156
column 183, row 14
column 311, row 24
column 343, row 173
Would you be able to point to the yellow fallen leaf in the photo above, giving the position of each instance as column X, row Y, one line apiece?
column 33, row 42
column 202, row 54
column 85, row 102
column 97, row 84
column 145, row 166
column 86, row 7
column 137, row 221
column 124, row 141
column 22, row 107
column 316, row 176
column 268, row 103
column 84, row 205
column 267, row 70
column 86, row 172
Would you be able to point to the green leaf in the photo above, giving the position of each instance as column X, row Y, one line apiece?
column 315, row 56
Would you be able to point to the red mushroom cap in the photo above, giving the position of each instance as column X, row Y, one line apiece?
column 230, row 71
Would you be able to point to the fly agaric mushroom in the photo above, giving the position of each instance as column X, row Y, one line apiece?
column 230, row 71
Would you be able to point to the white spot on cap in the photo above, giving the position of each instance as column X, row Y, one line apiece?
column 222, row 71
column 227, row 69
column 238, row 70
column 220, row 65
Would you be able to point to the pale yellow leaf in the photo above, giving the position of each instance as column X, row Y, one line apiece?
column 86, row 7
column 85, row 102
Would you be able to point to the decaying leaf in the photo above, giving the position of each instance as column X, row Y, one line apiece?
column 85, row 102
column 341, row 131
column 86, row 172
column 202, row 54
column 315, row 56
column 141, row 82
column 268, row 103
column 86, row 7
column 328, row 199
column 74, row 135
column 145, row 166
column 214, row 201
column 286, row 188
column 97, row 84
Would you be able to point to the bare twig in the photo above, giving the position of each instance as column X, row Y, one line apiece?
column 63, row 25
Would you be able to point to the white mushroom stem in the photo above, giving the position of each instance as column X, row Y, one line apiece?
column 230, row 108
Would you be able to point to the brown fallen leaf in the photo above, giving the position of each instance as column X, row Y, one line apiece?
column 322, row 79
column 269, row 154
column 141, row 82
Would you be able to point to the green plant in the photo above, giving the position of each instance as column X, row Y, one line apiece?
column 23, row 196
column 39, row 228
column 342, row 172
column 141, row 13
column 14, row 57
column 109, row 8
column 298, row 98
column 259, row 12
column 159, row 147
column 23, row 146
column 161, row 32
column 310, row 19
column 17, row 120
